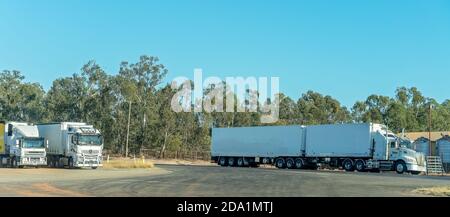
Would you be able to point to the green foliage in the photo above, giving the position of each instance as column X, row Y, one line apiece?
column 19, row 100
column 105, row 101
column 314, row 108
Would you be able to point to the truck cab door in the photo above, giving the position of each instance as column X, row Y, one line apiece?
column 379, row 146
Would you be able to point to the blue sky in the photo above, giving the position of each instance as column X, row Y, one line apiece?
column 347, row 49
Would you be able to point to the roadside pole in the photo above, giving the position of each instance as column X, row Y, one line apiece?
column 429, row 128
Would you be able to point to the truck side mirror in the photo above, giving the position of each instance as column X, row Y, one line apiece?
column 46, row 143
column 17, row 143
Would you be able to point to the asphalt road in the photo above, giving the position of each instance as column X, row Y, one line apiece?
column 192, row 181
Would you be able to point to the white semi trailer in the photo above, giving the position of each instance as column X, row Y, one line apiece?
column 72, row 144
column 21, row 145
column 352, row 147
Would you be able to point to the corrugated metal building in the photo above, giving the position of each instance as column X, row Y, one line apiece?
column 422, row 144
column 443, row 147
column 421, row 140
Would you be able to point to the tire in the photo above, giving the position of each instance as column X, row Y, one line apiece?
column 348, row 165
column 13, row 162
column 223, row 161
column 61, row 163
column 415, row 172
column 241, row 162
column 94, row 168
column 400, row 167
column 70, row 162
column 49, row 162
column 290, row 164
column 360, row 166
column 58, row 163
column 299, row 164
column 280, row 163
column 231, row 161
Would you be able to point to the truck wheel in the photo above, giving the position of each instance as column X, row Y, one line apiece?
column 280, row 163
column 266, row 160
column 58, row 163
column 223, row 161
column 71, row 165
column 290, row 164
column 61, row 163
column 14, row 162
column 49, row 162
column 53, row 163
column 360, row 166
column 231, row 162
column 415, row 172
column 94, row 168
column 400, row 167
column 240, row 162
column 299, row 163
column 313, row 166
column 348, row 165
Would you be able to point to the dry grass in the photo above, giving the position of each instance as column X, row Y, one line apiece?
column 182, row 162
column 128, row 164
column 434, row 191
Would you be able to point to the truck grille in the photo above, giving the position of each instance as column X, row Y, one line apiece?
column 90, row 157
column 91, row 162
column 36, row 154
column 91, row 152
column 420, row 159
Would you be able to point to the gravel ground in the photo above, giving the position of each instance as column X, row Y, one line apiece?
column 193, row 181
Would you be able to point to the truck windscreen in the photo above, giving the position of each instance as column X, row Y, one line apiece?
column 90, row 140
column 33, row 143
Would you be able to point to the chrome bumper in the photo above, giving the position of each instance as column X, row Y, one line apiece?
column 33, row 161
column 415, row 167
column 88, row 163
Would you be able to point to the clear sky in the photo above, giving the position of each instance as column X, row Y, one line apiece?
column 347, row 49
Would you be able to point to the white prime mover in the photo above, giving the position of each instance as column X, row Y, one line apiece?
column 72, row 144
column 21, row 145
column 350, row 146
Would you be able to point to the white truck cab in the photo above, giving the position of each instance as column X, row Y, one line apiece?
column 403, row 158
column 22, row 145
column 73, row 144
column 86, row 144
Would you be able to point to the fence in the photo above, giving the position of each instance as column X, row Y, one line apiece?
column 181, row 155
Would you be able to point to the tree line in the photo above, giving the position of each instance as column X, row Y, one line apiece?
column 136, row 97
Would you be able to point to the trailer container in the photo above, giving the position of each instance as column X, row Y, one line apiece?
column 351, row 147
